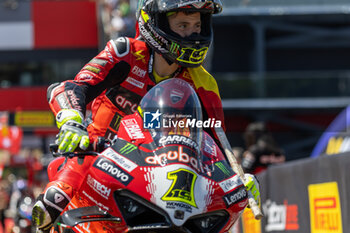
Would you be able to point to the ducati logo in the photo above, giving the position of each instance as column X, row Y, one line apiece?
column 176, row 96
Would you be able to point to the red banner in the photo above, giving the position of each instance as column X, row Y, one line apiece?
column 10, row 138
column 64, row 24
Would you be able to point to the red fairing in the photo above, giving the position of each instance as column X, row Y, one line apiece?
column 54, row 166
column 132, row 168
column 143, row 183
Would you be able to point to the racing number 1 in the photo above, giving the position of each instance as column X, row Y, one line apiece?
column 182, row 188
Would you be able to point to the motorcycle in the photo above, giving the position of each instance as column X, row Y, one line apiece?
column 161, row 173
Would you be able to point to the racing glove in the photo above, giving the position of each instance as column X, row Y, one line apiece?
column 72, row 131
column 252, row 185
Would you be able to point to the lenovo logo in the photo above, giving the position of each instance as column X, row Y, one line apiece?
column 113, row 170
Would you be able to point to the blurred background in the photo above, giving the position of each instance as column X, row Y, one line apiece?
column 283, row 67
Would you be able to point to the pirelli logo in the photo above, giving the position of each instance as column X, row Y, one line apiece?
column 34, row 119
column 325, row 209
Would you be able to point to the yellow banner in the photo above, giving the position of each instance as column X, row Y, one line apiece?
column 249, row 223
column 325, row 210
column 34, row 119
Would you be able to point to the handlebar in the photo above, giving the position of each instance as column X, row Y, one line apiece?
column 76, row 153
column 93, row 149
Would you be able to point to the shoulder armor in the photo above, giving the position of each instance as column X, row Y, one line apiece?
column 121, row 46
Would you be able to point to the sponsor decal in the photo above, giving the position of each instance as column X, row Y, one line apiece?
column 176, row 96
column 85, row 77
column 179, row 191
column 231, row 183
column 161, row 40
column 174, row 47
column 115, row 122
column 281, row 217
column 113, row 170
column 101, row 189
column 178, row 139
column 31, row 119
column 124, row 103
column 138, row 71
column 176, row 156
column 128, row 148
column 209, row 147
column 109, row 54
column 92, row 69
column 151, row 39
column 187, row 75
column 195, row 3
column 98, row 61
column 135, row 82
column 139, row 56
column 178, row 205
column 325, row 209
column 222, row 168
column 123, row 162
column 62, row 101
column 73, row 99
column 133, row 129
column 337, row 145
column 235, row 196
column 99, row 204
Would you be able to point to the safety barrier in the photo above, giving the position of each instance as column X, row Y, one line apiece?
column 308, row 195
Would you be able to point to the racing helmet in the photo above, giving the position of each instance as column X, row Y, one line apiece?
column 154, row 28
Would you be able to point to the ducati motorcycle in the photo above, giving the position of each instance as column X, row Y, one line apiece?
column 162, row 173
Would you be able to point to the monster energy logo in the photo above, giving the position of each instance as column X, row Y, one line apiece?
column 174, row 47
column 116, row 123
column 128, row 148
column 223, row 168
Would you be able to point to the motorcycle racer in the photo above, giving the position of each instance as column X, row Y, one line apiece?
column 172, row 40
column 174, row 37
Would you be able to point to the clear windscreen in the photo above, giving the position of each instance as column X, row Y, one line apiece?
column 171, row 111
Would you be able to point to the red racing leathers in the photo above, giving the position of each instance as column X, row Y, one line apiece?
column 116, row 80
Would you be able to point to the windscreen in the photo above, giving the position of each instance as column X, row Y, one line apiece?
column 172, row 108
